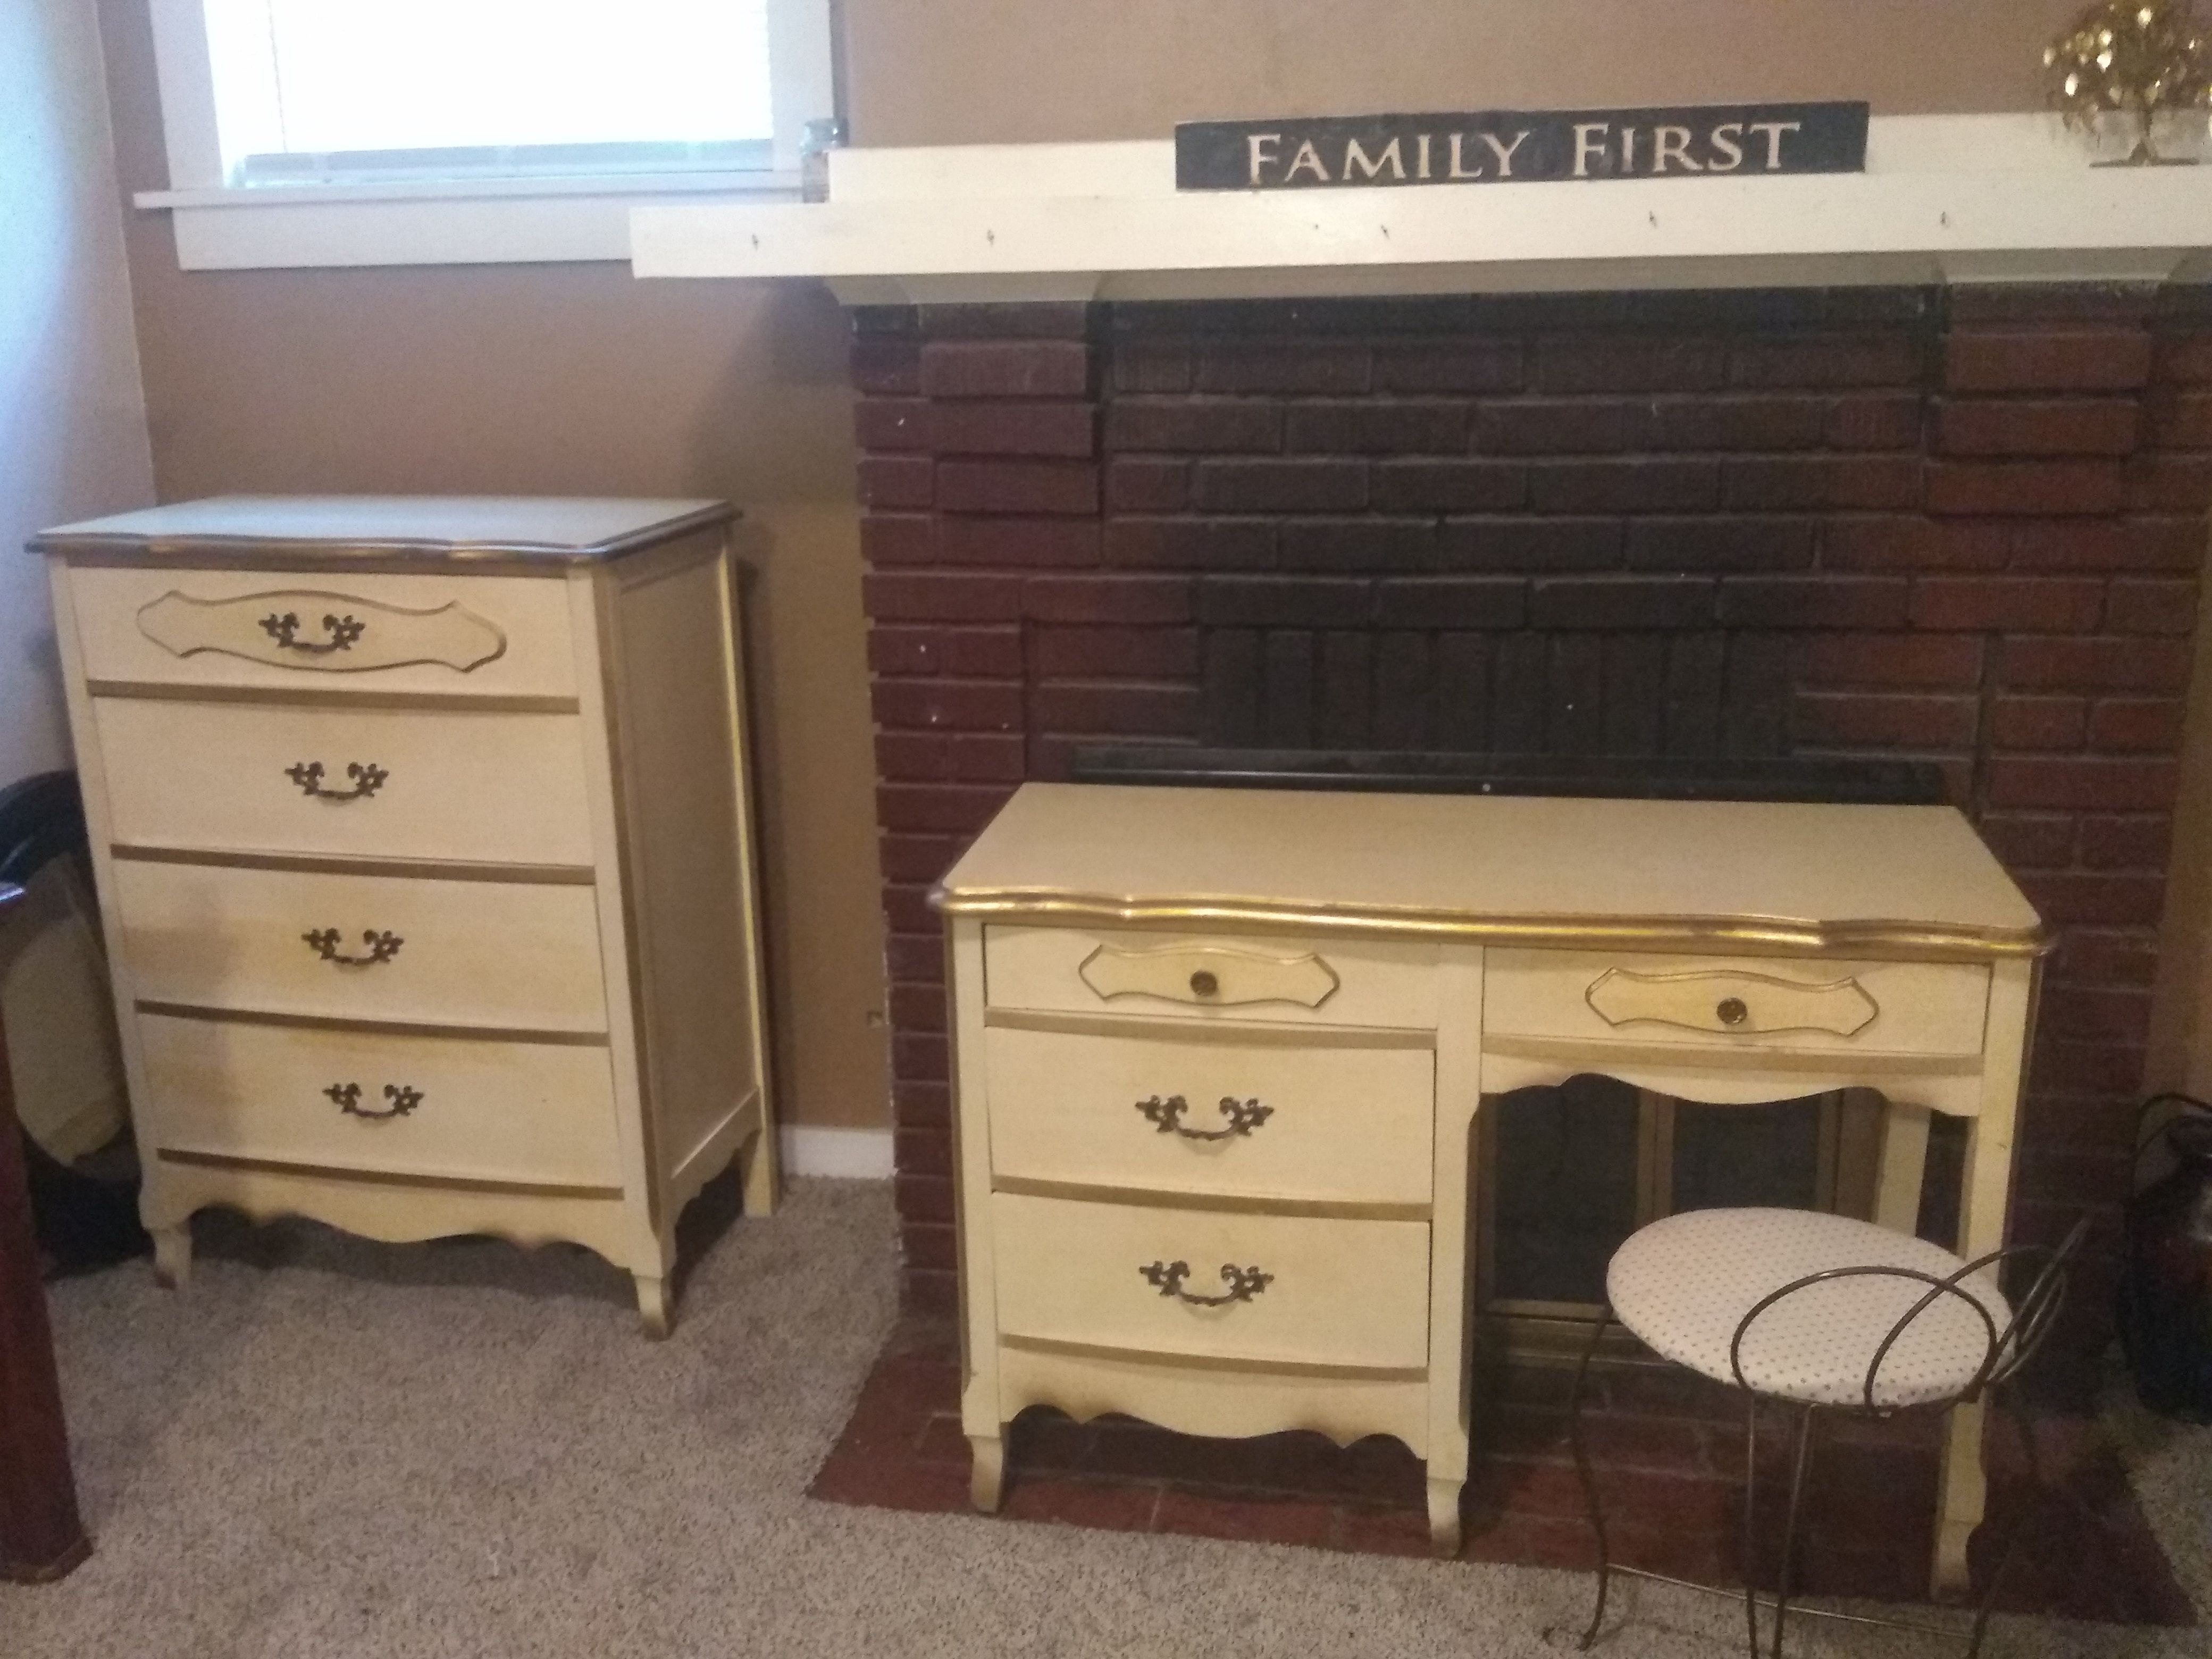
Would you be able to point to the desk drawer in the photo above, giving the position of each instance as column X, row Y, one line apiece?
column 1312, row 1123
column 480, row 1111
column 430, row 783
column 1752, row 1002
column 521, row 956
column 1338, row 1292
column 504, row 635
column 1194, row 975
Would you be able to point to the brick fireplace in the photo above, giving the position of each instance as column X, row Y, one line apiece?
column 1958, row 525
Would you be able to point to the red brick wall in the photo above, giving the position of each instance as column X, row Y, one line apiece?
column 1961, row 526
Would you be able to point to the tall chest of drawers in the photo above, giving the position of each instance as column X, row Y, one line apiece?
column 423, row 836
column 1220, row 1055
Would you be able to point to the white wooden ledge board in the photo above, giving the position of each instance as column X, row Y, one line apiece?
column 1958, row 198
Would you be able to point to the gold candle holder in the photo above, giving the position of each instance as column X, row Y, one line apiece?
column 2131, row 59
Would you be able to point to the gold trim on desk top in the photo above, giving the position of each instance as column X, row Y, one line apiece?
column 1891, row 941
column 221, row 552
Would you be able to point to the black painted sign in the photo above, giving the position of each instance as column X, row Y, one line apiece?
column 1718, row 141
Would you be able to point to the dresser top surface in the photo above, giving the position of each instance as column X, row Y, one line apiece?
column 1796, row 876
column 551, row 529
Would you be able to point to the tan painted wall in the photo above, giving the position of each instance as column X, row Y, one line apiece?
column 972, row 71
column 72, row 418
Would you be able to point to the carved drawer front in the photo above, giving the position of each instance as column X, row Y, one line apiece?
column 1932, row 1008
column 494, row 954
column 1281, row 1289
column 1288, row 981
column 1257, row 1122
column 421, row 783
column 505, row 636
column 401, row 1105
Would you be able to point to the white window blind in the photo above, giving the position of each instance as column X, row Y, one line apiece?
column 307, row 90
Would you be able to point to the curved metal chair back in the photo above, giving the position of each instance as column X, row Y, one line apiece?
column 2008, row 1349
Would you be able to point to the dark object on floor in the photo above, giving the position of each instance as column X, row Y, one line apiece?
column 1673, row 1440
column 2166, row 1290
column 1829, row 1318
column 41, row 1537
column 86, row 1213
column 1610, row 777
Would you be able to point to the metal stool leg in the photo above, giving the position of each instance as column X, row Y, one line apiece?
column 1589, row 1480
column 1751, row 1519
column 1799, row 1461
column 2003, row 1407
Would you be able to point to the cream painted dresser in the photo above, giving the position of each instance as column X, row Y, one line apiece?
column 422, row 834
column 1219, row 1055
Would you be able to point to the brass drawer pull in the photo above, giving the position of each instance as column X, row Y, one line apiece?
column 1731, row 1011
column 347, row 1096
column 382, row 947
column 1245, row 1116
column 368, row 778
column 284, row 628
column 1245, row 1282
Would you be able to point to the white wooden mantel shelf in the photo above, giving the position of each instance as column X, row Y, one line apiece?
column 1981, row 198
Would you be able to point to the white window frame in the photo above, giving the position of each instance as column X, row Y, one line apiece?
column 222, row 227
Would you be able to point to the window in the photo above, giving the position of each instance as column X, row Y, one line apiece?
column 293, row 105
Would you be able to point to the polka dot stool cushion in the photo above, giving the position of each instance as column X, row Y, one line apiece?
column 1683, row 1284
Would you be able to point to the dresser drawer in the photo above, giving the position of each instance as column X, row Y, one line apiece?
column 1309, row 1122
column 505, row 636
column 1288, row 980
column 481, row 1111
column 1337, row 1292
column 424, row 784
column 510, row 955
column 1913, row 1008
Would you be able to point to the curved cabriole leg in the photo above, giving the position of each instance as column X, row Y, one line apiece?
column 986, row 1480
column 173, row 1256
column 1443, row 1518
column 652, row 1304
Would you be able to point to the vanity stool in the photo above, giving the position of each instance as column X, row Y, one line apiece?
column 423, row 836
column 1819, row 1313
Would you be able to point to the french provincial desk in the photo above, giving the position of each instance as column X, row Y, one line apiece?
column 423, row 833
column 1219, row 1052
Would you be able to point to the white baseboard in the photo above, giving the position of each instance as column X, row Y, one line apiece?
column 850, row 1154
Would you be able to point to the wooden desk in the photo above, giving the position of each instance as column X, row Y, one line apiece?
column 1219, row 1055
column 40, row 1536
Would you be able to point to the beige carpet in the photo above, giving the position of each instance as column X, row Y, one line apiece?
column 328, row 1447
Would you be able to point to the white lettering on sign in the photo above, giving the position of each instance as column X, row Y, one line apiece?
column 1355, row 158
column 1593, row 148
column 1261, row 147
column 1504, row 152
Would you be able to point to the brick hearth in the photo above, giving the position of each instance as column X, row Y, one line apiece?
column 1963, row 526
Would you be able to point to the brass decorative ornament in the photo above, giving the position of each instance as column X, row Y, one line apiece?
column 2130, row 59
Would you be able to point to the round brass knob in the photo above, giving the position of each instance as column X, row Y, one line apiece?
column 1203, row 984
column 1732, row 1011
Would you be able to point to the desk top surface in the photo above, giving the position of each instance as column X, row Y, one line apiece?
column 554, row 530
column 1660, row 874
